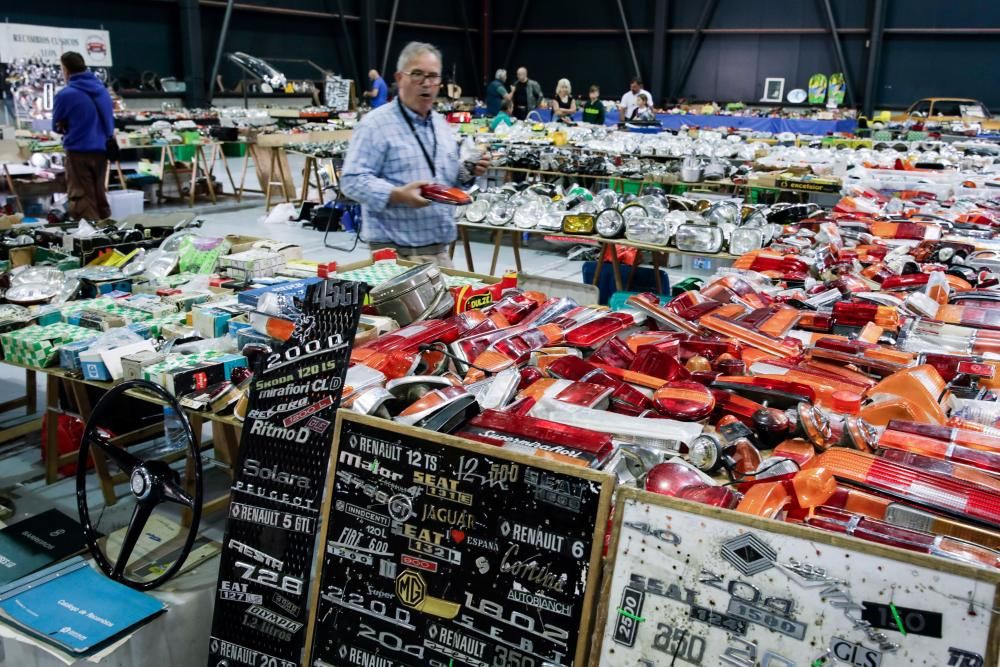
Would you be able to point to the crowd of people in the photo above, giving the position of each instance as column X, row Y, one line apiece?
column 505, row 103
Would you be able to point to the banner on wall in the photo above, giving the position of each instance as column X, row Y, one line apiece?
column 47, row 43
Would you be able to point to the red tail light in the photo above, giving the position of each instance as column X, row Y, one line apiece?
column 873, row 530
column 660, row 363
column 949, row 496
column 579, row 445
column 615, row 353
column 596, row 332
column 684, row 401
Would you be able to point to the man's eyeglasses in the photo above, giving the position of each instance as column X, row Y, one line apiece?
column 418, row 76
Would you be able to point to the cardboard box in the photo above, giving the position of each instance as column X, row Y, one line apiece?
column 810, row 184
column 134, row 364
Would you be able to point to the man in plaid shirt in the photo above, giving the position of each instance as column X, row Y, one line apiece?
column 396, row 149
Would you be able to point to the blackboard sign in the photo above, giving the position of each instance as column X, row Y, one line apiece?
column 274, row 510
column 437, row 551
column 689, row 584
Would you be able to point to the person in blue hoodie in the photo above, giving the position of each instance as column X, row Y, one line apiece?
column 83, row 113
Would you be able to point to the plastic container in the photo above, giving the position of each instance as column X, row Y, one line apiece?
column 125, row 203
column 174, row 435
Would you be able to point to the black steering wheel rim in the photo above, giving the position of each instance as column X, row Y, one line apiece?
column 151, row 483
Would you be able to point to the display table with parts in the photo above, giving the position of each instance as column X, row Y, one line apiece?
column 225, row 432
column 498, row 233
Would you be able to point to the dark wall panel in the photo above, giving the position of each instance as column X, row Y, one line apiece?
column 145, row 36
column 919, row 66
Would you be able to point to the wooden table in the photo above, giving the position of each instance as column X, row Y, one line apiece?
column 515, row 233
column 225, row 440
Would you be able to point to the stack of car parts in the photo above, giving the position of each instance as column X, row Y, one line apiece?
column 845, row 376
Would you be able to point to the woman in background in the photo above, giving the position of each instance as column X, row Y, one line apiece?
column 563, row 104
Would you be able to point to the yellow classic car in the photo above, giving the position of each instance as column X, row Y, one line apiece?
column 949, row 110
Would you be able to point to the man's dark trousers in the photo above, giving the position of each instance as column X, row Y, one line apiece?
column 85, row 173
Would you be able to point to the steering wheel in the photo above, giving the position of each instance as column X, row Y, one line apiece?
column 151, row 483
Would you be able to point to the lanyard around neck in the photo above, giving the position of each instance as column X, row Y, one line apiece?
column 427, row 156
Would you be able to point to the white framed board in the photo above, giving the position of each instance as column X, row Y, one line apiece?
column 688, row 584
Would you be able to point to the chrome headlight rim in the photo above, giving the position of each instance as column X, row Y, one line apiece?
column 617, row 228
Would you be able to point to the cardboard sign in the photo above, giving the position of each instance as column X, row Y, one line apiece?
column 439, row 551
column 274, row 513
column 691, row 584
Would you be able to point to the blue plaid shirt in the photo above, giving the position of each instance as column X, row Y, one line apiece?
column 384, row 154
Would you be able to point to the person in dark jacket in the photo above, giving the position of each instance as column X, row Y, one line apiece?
column 84, row 115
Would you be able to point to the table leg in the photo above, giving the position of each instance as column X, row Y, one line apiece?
column 270, row 178
column 30, row 392
column 209, row 179
column 616, row 267
column 78, row 391
column 243, row 172
column 464, row 233
column 497, row 240
column 194, row 177
column 319, row 182
column 631, row 274
column 121, row 175
column 13, row 189
column 225, row 165
column 656, row 273
column 600, row 264
column 306, row 177
column 515, row 235
column 51, row 429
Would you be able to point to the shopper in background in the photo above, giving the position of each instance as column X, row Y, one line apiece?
column 84, row 115
column 593, row 108
column 527, row 94
column 502, row 118
column 379, row 92
column 643, row 111
column 496, row 93
column 563, row 104
column 630, row 99
column 395, row 150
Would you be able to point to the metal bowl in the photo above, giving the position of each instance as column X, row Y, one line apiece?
column 410, row 296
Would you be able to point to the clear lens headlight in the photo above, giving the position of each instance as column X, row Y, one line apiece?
column 477, row 210
column 745, row 239
column 501, row 213
column 606, row 199
column 527, row 216
column 723, row 213
column 578, row 223
column 551, row 221
column 644, row 229
column 610, row 223
column 633, row 211
column 698, row 238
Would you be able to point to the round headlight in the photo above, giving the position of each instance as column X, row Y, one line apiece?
column 606, row 198
column 501, row 213
column 610, row 223
column 527, row 215
column 633, row 211
column 477, row 210
column 723, row 213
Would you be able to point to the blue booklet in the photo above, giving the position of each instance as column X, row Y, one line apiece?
column 74, row 607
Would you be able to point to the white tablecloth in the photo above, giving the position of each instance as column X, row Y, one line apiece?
column 177, row 637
